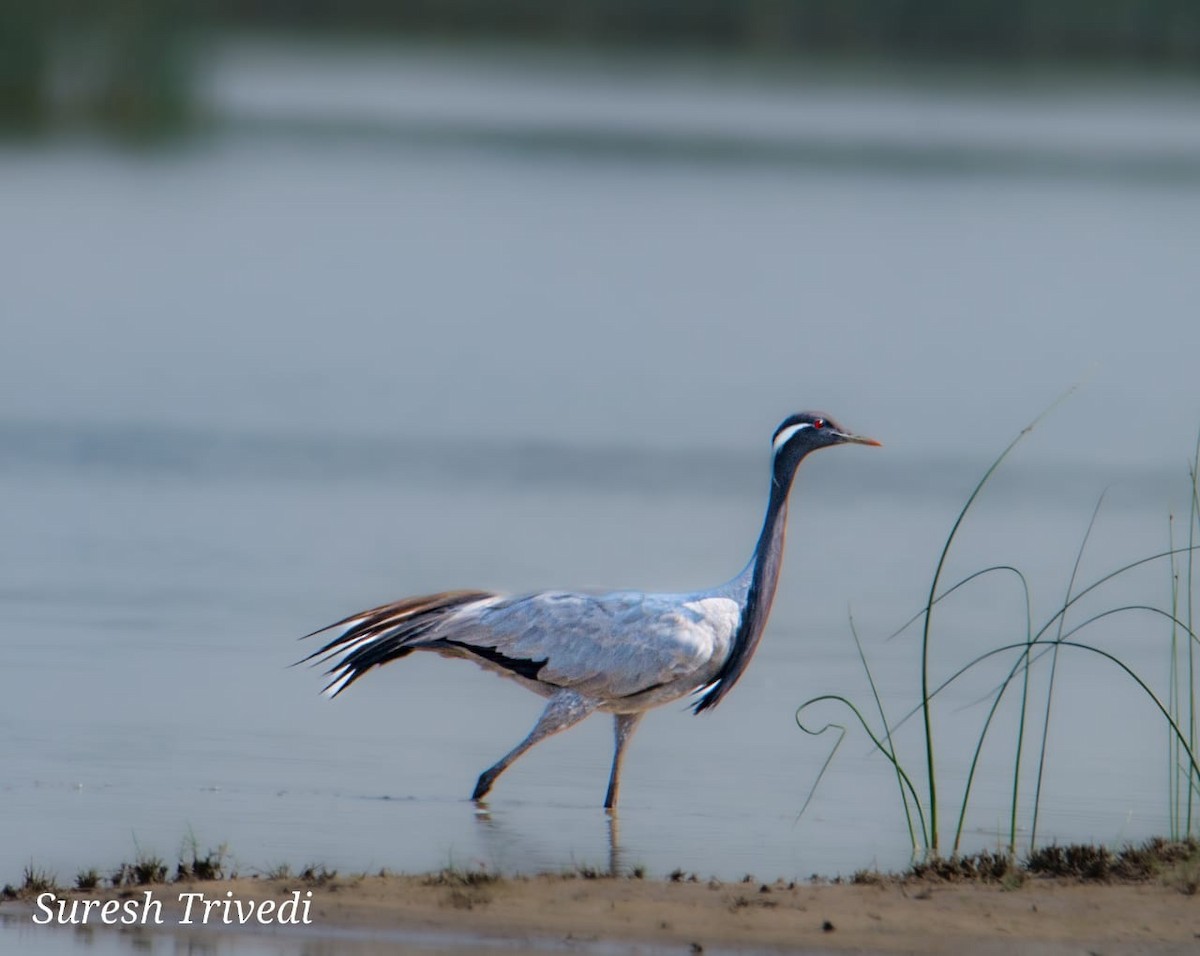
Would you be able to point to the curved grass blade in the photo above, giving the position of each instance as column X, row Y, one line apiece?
column 812, row 791
column 1037, row 639
column 950, row 590
column 1037, row 790
column 933, row 590
column 887, row 734
column 838, row 698
column 1022, row 647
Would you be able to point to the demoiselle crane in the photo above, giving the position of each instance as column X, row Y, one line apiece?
column 623, row 652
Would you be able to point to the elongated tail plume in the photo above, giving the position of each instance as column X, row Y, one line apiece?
column 385, row 633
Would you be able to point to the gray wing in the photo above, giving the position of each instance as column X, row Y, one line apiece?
column 606, row 646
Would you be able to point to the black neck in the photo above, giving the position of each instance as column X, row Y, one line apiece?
column 764, row 577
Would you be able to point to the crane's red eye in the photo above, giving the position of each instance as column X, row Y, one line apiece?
column 819, row 423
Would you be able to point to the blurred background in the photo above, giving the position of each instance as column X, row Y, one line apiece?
column 134, row 65
column 712, row 204
column 306, row 306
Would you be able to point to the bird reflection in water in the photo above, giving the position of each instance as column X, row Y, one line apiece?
column 500, row 836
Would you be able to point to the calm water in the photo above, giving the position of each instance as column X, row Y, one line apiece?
column 317, row 360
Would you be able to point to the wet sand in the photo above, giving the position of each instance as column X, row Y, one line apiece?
column 1040, row 916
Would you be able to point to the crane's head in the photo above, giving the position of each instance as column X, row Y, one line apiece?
column 803, row 432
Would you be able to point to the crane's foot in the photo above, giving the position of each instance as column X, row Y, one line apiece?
column 486, row 779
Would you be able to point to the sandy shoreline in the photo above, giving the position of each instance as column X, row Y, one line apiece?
column 1041, row 916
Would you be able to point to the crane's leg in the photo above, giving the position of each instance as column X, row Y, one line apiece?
column 624, row 725
column 566, row 708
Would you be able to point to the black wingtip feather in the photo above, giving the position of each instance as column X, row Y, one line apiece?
column 382, row 634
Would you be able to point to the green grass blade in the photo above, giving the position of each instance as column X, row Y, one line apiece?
column 1046, row 647
column 1104, row 579
column 838, row 698
column 1194, row 517
column 926, row 713
column 887, row 734
column 1012, row 823
column 1062, row 619
column 825, row 766
column 1174, row 767
column 950, row 590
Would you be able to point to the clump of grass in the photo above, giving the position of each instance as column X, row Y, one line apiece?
column 318, row 875
column 1075, row 861
column 280, row 872
column 146, row 869
column 982, row 867
column 1157, row 859
column 454, row 876
column 35, row 880
column 193, row 866
column 1171, row 862
column 468, row 888
column 1179, row 713
column 1178, row 865
column 1159, row 853
column 87, row 880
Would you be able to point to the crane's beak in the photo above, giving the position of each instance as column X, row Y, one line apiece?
column 862, row 440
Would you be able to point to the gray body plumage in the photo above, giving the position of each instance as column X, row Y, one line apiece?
column 622, row 652
column 627, row 650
